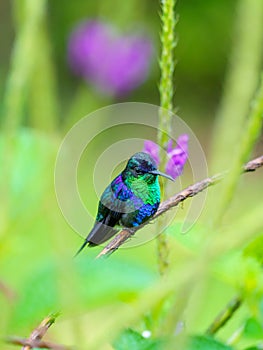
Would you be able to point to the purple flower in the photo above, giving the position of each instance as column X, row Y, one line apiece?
column 114, row 63
column 151, row 148
column 177, row 156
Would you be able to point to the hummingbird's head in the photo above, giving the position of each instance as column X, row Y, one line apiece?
column 142, row 165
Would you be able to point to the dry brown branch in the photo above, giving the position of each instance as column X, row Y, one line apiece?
column 173, row 201
column 35, row 339
column 31, row 344
column 39, row 332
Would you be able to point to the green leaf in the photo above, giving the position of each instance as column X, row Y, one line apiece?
column 255, row 249
column 206, row 343
column 131, row 339
column 253, row 329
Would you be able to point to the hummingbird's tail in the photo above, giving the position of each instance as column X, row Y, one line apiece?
column 81, row 248
column 84, row 245
column 99, row 234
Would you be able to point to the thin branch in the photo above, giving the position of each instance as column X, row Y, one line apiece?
column 31, row 344
column 39, row 332
column 172, row 202
column 253, row 164
column 35, row 339
column 224, row 316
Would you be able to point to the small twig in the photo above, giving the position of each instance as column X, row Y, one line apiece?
column 224, row 316
column 35, row 339
column 172, row 202
column 39, row 332
column 31, row 344
column 254, row 164
column 116, row 242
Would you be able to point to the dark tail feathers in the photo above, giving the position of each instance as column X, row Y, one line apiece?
column 84, row 245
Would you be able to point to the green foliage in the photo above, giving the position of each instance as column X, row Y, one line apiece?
column 206, row 343
column 113, row 301
column 253, row 329
column 89, row 287
column 255, row 249
column 133, row 340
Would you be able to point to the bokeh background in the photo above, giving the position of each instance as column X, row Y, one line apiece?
column 205, row 36
column 41, row 99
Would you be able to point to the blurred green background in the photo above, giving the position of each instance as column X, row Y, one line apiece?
column 40, row 100
column 205, row 36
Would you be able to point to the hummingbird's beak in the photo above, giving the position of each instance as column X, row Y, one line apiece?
column 157, row 172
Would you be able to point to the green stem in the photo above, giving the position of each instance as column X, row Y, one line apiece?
column 28, row 15
column 224, row 316
column 43, row 93
column 249, row 137
column 241, row 81
column 166, row 89
column 167, row 65
column 22, row 62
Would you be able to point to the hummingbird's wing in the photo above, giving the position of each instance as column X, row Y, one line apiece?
column 103, row 228
column 114, row 202
column 110, row 210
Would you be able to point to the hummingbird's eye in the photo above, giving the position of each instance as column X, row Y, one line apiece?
column 138, row 170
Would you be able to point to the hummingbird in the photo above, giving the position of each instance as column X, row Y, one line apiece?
column 131, row 199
